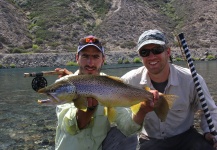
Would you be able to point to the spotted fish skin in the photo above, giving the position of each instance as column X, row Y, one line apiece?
column 109, row 91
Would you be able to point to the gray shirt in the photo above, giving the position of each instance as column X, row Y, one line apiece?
column 181, row 116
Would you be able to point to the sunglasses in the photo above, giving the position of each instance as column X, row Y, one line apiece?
column 88, row 40
column 155, row 51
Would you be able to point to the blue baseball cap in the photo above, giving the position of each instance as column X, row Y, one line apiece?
column 90, row 41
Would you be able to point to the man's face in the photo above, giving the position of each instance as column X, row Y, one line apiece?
column 155, row 63
column 90, row 60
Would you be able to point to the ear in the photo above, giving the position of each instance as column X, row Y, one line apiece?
column 76, row 57
column 168, row 51
column 103, row 59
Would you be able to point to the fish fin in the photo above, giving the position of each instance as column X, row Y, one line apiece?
column 81, row 103
column 135, row 108
column 164, row 103
column 115, row 78
column 147, row 88
column 110, row 112
column 47, row 102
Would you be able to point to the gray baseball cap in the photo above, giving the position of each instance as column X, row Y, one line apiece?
column 151, row 37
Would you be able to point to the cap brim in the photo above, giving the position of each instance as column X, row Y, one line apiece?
column 151, row 42
column 90, row 44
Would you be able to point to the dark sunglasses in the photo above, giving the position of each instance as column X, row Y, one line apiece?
column 155, row 51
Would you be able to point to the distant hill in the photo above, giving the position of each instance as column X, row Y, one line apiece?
column 44, row 26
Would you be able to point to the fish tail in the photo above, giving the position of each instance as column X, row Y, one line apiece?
column 163, row 105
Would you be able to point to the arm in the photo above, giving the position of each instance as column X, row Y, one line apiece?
column 84, row 118
column 130, row 123
column 71, row 119
column 145, row 108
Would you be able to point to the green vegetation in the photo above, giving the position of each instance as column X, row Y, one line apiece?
column 101, row 7
column 16, row 50
column 120, row 61
column 178, row 59
column 136, row 60
column 12, row 65
column 126, row 61
column 34, row 46
column 210, row 57
column 46, row 15
column 71, row 63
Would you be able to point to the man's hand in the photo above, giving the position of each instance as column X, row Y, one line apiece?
column 146, row 106
column 91, row 103
column 63, row 72
column 211, row 138
column 84, row 118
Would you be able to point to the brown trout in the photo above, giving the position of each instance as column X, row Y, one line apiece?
column 109, row 91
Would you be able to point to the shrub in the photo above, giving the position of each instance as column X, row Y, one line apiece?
column 71, row 63
column 210, row 57
column 38, row 41
column 178, row 59
column 34, row 46
column 120, row 61
column 137, row 60
column 12, row 65
column 17, row 50
column 126, row 61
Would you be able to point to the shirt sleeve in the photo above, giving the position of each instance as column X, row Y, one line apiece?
column 211, row 107
column 125, row 122
column 66, row 115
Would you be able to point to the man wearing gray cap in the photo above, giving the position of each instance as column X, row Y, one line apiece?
column 91, row 130
column 177, row 131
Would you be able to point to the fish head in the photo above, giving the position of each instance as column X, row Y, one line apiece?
column 58, row 93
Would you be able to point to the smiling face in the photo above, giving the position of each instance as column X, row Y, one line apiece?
column 90, row 60
column 157, row 64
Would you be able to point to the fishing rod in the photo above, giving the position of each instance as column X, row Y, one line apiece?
column 198, row 86
column 39, row 81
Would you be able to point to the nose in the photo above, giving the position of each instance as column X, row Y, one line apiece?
column 151, row 55
column 90, row 61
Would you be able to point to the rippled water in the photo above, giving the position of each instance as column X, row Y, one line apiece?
column 27, row 125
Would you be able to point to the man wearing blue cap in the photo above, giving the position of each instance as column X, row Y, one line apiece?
column 177, row 131
column 91, row 130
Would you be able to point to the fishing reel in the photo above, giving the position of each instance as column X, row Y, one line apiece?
column 38, row 82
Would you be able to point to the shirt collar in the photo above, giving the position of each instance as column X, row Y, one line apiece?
column 173, row 77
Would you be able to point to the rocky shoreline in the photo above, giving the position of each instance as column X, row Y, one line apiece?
column 61, row 59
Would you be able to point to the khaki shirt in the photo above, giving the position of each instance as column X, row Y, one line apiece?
column 181, row 116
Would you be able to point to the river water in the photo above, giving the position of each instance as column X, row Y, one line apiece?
column 27, row 125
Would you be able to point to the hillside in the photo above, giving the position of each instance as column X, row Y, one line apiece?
column 53, row 26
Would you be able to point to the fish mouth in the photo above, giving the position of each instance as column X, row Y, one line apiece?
column 52, row 100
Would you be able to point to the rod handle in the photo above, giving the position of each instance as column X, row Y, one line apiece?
column 44, row 73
